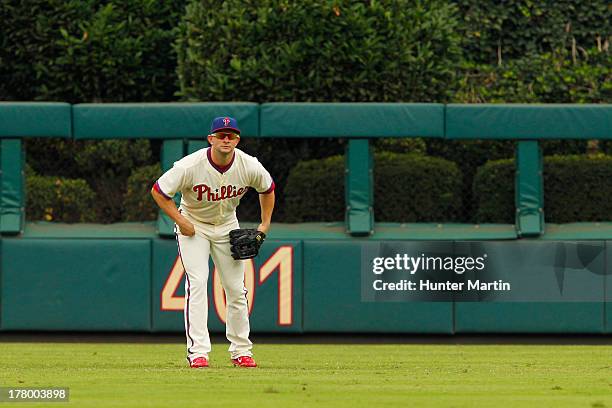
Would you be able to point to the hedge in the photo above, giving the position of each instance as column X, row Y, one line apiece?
column 315, row 191
column 88, row 50
column 416, row 188
column 279, row 156
column 493, row 189
column 553, row 77
column 407, row 188
column 59, row 199
column 105, row 165
column 138, row 205
column 314, row 50
column 513, row 28
column 576, row 189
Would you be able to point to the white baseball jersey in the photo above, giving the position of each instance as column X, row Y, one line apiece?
column 210, row 194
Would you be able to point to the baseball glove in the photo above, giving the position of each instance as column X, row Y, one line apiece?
column 245, row 243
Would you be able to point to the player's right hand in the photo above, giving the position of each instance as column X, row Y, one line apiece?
column 187, row 228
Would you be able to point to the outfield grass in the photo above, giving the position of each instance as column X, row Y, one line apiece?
column 104, row 375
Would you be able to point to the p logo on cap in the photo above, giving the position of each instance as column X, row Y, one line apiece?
column 224, row 123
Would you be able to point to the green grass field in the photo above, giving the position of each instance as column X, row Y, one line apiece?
column 102, row 375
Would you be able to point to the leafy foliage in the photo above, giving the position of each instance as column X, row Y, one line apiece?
column 279, row 156
column 313, row 50
column 105, row 165
column 88, row 50
column 416, row 188
column 59, row 199
column 554, row 77
column 497, row 31
column 137, row 202
column 407, row 188
column 400, row 145
column 576, row 188
column 315, row 191
column 494, row 192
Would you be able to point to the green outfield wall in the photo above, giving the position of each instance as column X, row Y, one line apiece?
column 313, row 285
column 310, row 278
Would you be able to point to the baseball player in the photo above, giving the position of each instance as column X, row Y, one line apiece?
column 212, row 181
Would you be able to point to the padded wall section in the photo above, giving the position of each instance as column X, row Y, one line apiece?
column 558, row 288
column 546, row 121
column 69, row 284
column 195, row 145
column 352, row 119
column 273, row 280
column 608, row 289
column 159, row 120
column 35, row 119
column 359, row 188
column 11, row 186
column 171, row 151
column 332, row 295
column 529, row 189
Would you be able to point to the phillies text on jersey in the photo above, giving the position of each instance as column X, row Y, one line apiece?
column 210, row 194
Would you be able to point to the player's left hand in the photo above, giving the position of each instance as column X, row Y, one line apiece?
column 264, row 228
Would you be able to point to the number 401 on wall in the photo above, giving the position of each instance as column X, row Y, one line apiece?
column 281, row 260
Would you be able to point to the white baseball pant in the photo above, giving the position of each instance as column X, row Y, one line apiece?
column 213, row 240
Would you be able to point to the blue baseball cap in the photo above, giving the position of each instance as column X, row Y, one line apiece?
column 224, row 123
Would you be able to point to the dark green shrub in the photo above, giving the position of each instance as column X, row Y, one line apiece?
column 554, row 77
column 416, row 188
column 315, row 191
column 513, row 28
column 494, row 192
column 576, row 188
column 468, row 155
column 106, row 165
column 138, row 205
column 58, row 199
column 603, row 146
column 275, row 50
column 88, row 50
column 400, row 145
column 119, row 157
column 279, row 156
column 28, row 36
column 53, row 157
column 408, row 188
column 563, row 147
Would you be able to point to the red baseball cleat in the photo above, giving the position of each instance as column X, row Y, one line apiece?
column 244, row 361
column 199, row 362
